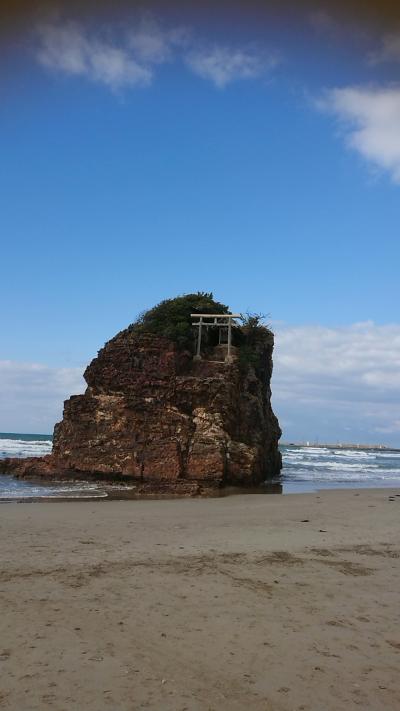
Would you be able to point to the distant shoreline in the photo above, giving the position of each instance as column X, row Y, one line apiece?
column 340, row 446
column 329, row 445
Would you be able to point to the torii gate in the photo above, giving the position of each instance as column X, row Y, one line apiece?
column 217, row 320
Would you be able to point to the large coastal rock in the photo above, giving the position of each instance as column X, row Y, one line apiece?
column 153, row 413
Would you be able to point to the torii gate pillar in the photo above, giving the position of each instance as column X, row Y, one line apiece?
column 216, row 320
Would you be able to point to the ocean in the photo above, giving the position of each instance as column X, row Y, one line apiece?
column 304, row 469
column 310, row 468
column 35, row 445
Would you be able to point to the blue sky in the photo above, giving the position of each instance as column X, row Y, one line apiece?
column 159, row 156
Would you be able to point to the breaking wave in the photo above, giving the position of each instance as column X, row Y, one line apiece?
column 17, row 447
column 326, row 465
column 303, row 467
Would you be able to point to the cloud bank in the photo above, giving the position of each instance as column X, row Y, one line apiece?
column 32, row 395
column 338, row 383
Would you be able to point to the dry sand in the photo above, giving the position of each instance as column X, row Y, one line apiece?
column 234, row 603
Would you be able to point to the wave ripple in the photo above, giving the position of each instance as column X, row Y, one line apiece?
column 323, row 465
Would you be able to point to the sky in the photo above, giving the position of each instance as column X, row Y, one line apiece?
column 146, row 154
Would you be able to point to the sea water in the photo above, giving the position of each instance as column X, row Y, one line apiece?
column 304, row 469
column 308, row 468
column 34, row 445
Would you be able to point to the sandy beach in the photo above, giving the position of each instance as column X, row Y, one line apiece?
column 268, row 603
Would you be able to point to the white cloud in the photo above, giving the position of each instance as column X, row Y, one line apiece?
column 153, row 43
column 128, row 57
column 32, row 395
column 223, row 65
column 338, row 383
column 70, row 49
column 115, row 68
column 389, row 50
column 370, row 118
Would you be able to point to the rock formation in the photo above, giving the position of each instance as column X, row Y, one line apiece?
column 154, row 414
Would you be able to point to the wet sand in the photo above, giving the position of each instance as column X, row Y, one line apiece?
column 254, row 602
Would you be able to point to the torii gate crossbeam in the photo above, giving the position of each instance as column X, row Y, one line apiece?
column 218, row 320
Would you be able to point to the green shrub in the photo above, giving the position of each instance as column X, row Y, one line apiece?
column 172, row 317
column 251, row 334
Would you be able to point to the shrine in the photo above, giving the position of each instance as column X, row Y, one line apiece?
column 224, row 322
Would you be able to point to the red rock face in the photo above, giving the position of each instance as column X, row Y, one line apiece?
column 153, row 413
